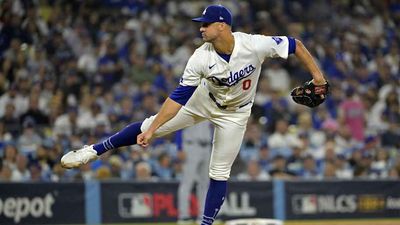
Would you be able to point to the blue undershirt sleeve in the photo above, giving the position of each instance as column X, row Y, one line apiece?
column 182, row 94
column 292, row 45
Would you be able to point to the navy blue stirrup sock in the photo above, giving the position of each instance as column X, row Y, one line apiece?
column 124, row 137
column 215, row 197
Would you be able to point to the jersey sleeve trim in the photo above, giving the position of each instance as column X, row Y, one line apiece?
column 182, row 94
column 292, row 45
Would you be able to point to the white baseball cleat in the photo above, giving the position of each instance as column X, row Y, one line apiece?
column 79, row 157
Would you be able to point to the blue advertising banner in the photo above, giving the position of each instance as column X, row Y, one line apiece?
column 131, row 202
column 150, row 202
column 341, row 199
column 41, row 203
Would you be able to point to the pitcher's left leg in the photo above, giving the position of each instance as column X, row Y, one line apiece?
column 126, row 137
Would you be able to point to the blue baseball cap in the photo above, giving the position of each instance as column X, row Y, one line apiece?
column 215, row 13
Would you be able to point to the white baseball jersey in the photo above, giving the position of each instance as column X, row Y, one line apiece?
column 229, row 81
column 232, row 85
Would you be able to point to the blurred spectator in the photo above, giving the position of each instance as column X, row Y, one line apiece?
column 66, row 124
column 262, row 97
column 133, row 156
column 393, row 174
column 87, row 173
column 126, row 107
column 330, row 171
column 275, row 109
column 10, row 156
column 10, row 122
column 115, row 166
column 36, row 172
column 364, row 168
column 43, row 163
column 310, row 169
column 295, row 160
column 343, row 168
column 93, row 118
column 253, row 173
column 391, row 137
column 391, row 116
column 305, row 127
column 103, row 173
column 344, row 141
column 162, row 167
column 5, row 173
column 252, row 142
column 138, row 71
column 58, row 173
column 330, row 128
column 280, row 141
column 165, row 81
column 110, row 66
column 29, row 140
column 21, row 171
column 264, row 158
column 143, row 172
column 15, row 98
column 149, row 105
column 380, row 163
column 279, row 169
column 352, row 113
column 278, row 77
column 329, row 151
column 239, row 166
column 34, row 113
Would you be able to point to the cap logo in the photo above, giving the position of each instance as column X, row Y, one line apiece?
column 205, row 10
column 221, row 18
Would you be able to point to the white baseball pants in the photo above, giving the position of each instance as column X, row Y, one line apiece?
column 228, row 132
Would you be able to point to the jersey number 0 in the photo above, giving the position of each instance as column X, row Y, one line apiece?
column 246, row 84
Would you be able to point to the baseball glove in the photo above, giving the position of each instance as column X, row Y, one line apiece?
column 309, row 94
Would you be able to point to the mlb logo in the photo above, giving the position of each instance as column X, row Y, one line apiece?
column 134, row 205
column 304, row 204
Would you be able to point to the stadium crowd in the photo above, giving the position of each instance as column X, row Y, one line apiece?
column 74, row 72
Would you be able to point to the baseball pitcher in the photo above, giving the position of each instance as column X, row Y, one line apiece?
column 219, row 85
